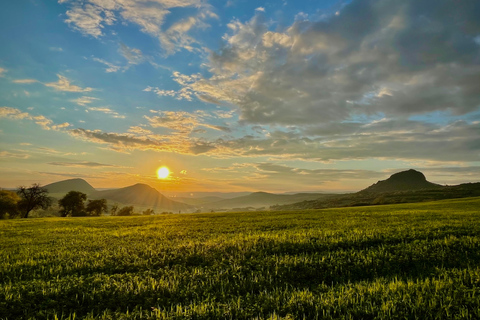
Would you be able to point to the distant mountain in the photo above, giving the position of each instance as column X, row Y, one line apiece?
column 65, row 186
column 402, row 187
column 141, row 195
column 409, row 180
column 263, row 199
column 198, row 201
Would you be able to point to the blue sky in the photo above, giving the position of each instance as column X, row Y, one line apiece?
column 238, row 95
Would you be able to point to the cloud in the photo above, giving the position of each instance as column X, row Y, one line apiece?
column 394, row 58
column 89, row 19
column 119, row 142
column 107, row 110
column 93, row 16
column 45, row 123
column 2, row 71
column 14, row 155
column 110, row 66
column 133, row 55
column 85, row 100
column 63, row 84
column 83, row 164
column 25, row 81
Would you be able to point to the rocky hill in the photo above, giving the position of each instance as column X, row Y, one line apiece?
column 409, row 180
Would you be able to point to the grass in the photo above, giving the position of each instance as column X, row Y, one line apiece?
column 409, row 261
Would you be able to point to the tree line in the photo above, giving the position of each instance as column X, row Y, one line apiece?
column 23, row 201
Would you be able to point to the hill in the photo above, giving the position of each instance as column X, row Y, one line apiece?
column 142, row 195
column 264, row 199
column 61, row 188
column 403, row 187
column 409, row 180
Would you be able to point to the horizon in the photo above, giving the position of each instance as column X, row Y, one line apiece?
column 229, row 96
column 228, row 195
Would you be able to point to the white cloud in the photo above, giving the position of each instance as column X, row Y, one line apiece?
column 2, row 71
column 63, row 84
column 92, row 17
column 110, row 66
column 42, row 121
column 107, row 110
column 85, row 100
column 25, row 81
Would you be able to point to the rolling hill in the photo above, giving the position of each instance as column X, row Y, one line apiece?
column 141, row 195
column 263, row 199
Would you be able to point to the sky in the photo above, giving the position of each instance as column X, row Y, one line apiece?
column 239, row 95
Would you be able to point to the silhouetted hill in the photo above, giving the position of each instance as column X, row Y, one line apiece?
column 409, row 180
column 263, row 199
column 198, row 201
column 65, row 186
column 403, row 187
column 141, row 195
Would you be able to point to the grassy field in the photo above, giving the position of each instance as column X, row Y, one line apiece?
column 409, row 261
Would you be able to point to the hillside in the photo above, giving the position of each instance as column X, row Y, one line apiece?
column 404, row 187
column 141, row 195
column 61, row 188
column 402, row 181
column 264, row 199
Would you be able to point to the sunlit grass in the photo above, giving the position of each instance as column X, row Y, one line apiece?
column 388, row 262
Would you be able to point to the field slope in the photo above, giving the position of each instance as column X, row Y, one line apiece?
column 408, row 261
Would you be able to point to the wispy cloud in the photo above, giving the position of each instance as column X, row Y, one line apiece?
column 92, row 17
column 2, row 71
column 110, row 66
column 14, row 155
column 108, row 111
column 45, row 123
column 85, row 100
column 25, row 81
column 82, row 164
column 63, row 84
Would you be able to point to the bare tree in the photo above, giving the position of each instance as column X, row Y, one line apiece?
column 32, row 198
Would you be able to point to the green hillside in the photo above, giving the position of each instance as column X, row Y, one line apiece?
column 408, row 261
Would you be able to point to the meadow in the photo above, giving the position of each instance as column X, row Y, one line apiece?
column 405, row 261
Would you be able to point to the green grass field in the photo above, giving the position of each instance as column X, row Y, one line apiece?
column 411, row 261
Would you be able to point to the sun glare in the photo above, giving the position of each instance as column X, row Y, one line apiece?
column 163, row 173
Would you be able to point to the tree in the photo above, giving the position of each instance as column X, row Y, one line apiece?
column 113, row 209
column 32, row 198
column 73, row 204
column 8, row 204
column 148, row 212
column 125, row 211
column 96, row 207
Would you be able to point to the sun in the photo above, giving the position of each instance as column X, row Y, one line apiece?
column 163, row 173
